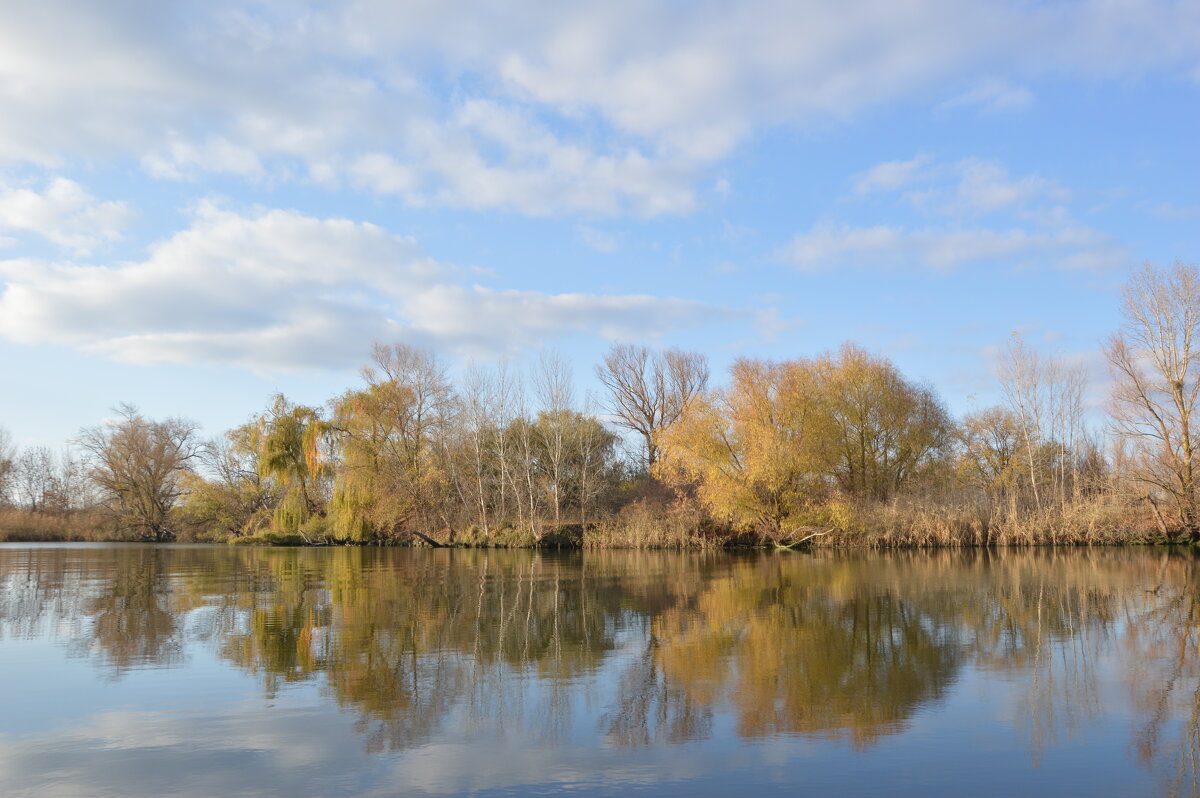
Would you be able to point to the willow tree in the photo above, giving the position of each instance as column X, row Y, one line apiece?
column 1155, row 359
column 295, row 454
column 137, row 464
column 755, row 451
column 885, row 427
column 392, row 439
column 989, row 452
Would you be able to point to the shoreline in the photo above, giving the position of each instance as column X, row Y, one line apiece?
column 288, row 542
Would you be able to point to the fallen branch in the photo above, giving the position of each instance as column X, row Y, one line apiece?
column 430, row 540
column 795, row 543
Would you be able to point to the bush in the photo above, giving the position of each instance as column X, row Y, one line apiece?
column 271, row 539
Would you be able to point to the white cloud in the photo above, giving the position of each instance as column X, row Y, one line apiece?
column 615, row 106
column 488, row 156
column 968, row 187
column 698, row 82
column 181, row 159
column 1173, row 212
column 276, row 289
column 829, row 244
column 476, row 319
column 771, row 324
column 986, row 187
column 63, row 213
column 1029, row 221
column 993, row 96
column 889, row 175
column 597, row 239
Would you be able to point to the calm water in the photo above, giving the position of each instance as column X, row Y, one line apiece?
column 132, row 670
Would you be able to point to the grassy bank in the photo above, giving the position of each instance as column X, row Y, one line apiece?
column 651, row 525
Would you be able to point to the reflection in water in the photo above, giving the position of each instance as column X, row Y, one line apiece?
column 636, row 651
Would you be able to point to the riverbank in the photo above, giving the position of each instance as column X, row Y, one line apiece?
column 894, row 525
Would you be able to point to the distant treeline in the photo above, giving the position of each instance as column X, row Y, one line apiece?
column 838, row 448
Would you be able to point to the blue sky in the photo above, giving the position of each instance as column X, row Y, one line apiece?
column 204, row 203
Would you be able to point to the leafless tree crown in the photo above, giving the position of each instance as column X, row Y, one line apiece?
column 648, row 390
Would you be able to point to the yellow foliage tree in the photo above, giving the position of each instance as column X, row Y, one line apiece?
column 766, row 452
column 885, row 428
column 754, row 450
column 392, row 445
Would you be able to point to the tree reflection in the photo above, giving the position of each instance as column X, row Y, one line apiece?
column 1163, row 649
column 796, row 650
column 654, row 647
column 132, row 621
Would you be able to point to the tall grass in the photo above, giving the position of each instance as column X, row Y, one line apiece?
column 651, row 523
column 907, row 523
column 648, row 524
column 23, row 526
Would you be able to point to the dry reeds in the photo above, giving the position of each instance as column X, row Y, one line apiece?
column 903, row 523
column 23, row 526
column 647, row 524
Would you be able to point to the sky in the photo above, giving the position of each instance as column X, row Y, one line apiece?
column 205, row 203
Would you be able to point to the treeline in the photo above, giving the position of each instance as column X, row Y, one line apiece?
column 838, row 448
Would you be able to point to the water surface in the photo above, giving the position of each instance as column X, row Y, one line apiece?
column 133, row 670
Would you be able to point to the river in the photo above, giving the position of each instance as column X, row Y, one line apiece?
column 139, row 670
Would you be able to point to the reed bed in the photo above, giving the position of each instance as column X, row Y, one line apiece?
column 909, row 524
column 653, row 524
column 23, row 526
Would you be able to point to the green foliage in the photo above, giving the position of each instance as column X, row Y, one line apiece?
column 272, row 539
column 294, row 452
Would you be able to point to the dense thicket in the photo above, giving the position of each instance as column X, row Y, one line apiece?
column 839, row 447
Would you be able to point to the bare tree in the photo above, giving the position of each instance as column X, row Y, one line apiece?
column 504, row 403
column 35, row 479
column 555, row 394
column 1045, row 394
column 989, row 441
column 525, row 456
column 8, row 454
column 1154, row 362
column 595, row 445
column 424, row 402
column 478, row 416
column 648, row 390
column 1021, row 374
column 75, row 489
column 137, row 464
column 1066, row 382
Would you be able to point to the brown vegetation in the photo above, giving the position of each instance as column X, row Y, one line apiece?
column 837, row 449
